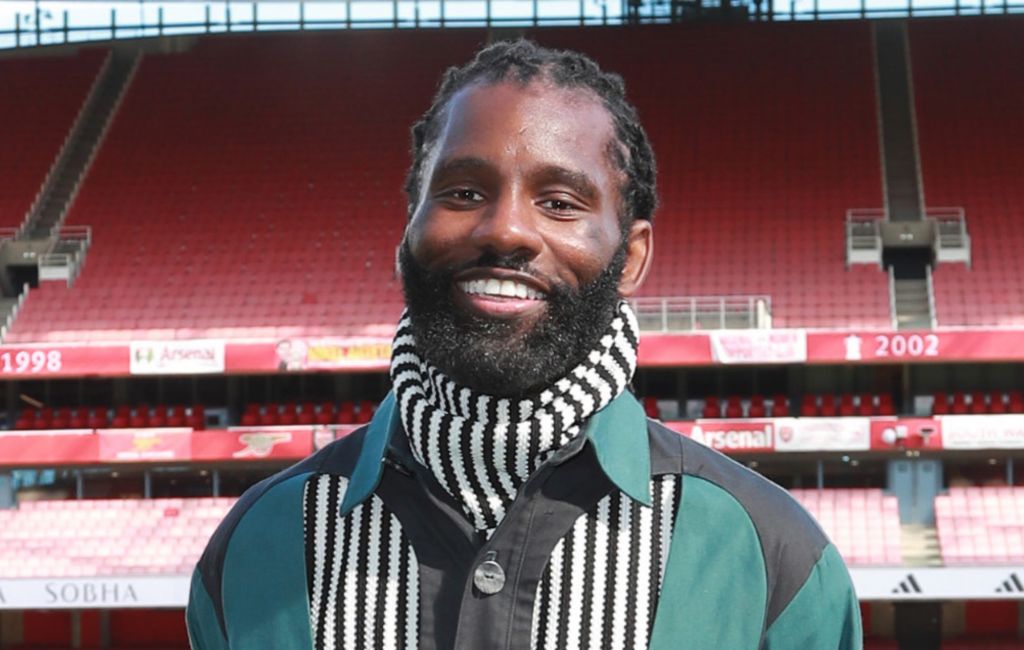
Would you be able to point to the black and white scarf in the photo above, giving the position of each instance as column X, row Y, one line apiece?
column 481, row 448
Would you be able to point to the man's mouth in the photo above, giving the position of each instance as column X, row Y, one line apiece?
column 500, row 294
column 495, row 288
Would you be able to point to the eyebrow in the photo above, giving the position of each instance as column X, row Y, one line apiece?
column 467, row 164
column 580, row 182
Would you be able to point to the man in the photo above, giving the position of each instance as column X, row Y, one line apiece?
column 510, row 492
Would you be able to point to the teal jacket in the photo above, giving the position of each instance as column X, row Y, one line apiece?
column 747, row 567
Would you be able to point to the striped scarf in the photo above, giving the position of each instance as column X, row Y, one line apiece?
column 481, row 448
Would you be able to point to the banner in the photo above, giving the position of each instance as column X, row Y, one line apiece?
column 94, row 593
column 982, row 431
column 870, row 583
column 332, row 354
column 906, row 433
column 823, row 434
column 48, row 448
column 758, row 346
column 253, row 443
column 730, row 435
column 135, row 445
column 183, row 357
column 340, row 353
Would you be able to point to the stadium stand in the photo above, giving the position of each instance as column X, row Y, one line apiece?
column 239, row 228
column 744, row 168
column 33, row 128
column 981, row 525
column 864, row 524
column 107, row 537
column 275, row 200
column 971, row 136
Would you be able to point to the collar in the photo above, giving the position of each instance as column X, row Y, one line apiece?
column 618, row 433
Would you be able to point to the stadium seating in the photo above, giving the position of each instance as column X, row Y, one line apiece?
column 274, row 207
column 106, row 537
column 251, row 186
column 979, row 525
column 864, row 524
column 756, row 175
column 971, row 136
column 49, row 91
column 977, row 403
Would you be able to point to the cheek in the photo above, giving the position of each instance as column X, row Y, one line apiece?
column 433, row 241
column 584, row 254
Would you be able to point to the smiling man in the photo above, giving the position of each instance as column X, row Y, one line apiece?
column 509, row 492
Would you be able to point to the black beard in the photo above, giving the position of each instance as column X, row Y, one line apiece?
column 490, row 355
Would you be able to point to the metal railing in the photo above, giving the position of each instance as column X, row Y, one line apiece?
column 892, row 299
column 864, row 236
column 65, row 255
column 931, row 297
column 683, row 314
column 51, row 23
column 952, row 242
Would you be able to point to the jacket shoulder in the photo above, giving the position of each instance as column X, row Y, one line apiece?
column 791, row 541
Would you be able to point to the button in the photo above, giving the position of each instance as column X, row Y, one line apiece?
column 489, row 577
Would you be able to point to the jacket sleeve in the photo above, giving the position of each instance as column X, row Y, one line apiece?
column 824, row 614
column 204, row 632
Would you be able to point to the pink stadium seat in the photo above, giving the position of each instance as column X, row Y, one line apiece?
column 106, row 537
column 981, row 525
column 863, row 523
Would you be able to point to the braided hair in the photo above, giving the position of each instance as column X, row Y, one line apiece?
column 522, row 61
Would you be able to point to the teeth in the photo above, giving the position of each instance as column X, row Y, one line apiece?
column 502, row 288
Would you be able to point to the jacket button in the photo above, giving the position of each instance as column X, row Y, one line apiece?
column 489, row 577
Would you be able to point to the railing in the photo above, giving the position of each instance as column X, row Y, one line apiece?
column 931, row 297
column 892, row 299
column 65, row 264
column 684, row 314
column 952, row 242
column 51, row 23
column 863, row 236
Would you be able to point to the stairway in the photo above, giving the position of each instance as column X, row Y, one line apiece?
column 912, row 305
column 919, row 544
column 82, row 143
column 903, row 193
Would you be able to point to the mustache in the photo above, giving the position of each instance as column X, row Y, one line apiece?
column 491, row 260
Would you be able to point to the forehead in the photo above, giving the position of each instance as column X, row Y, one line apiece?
column 532, row 122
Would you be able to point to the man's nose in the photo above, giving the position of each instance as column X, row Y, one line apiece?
column 509, row 227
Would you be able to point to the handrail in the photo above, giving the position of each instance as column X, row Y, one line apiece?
column 931, row 297
column 29, row 32
column 686, row 313
column 892, row 298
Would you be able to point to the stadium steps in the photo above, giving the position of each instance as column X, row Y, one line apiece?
column 81, row 145
column 912, row 306
column 900, row 156
column 920, row 545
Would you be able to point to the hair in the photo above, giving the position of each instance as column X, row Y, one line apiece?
column 523, row 61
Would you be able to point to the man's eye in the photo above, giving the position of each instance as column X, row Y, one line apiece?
column 558, row 205
column 465, row 195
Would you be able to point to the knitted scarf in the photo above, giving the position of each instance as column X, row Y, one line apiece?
column 482, row 448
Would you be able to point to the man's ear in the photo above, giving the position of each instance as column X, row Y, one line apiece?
column 639, row 255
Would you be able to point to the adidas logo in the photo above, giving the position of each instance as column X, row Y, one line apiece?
column 908, row 586
column 1011, row 585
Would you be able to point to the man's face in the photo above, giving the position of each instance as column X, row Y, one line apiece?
column 516, row 254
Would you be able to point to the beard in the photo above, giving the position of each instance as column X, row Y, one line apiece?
column 494, row 356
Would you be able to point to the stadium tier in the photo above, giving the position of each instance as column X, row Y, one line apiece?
column 981, row 525
column 122, row 537
column 95, row 538
column 864, row 524
column 251, row 186
column 49, row 91
column 971, row 135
